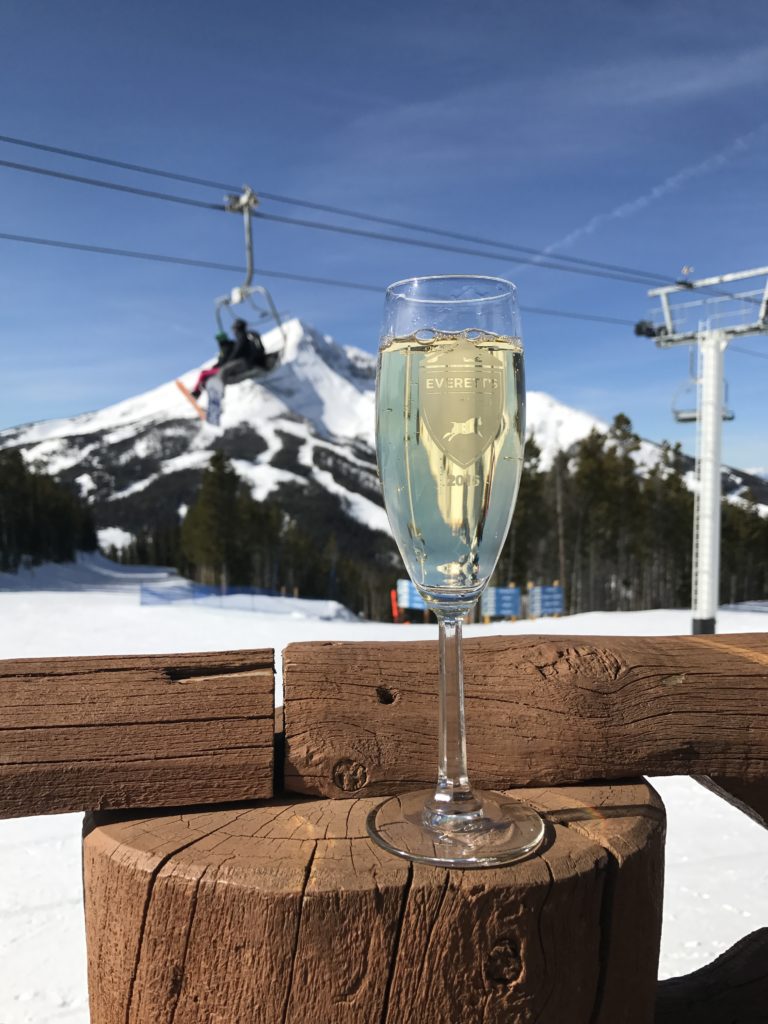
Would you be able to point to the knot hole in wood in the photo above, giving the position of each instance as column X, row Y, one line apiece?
column 348, row 775
column 504, row 964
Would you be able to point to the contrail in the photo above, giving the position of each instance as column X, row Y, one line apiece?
column 675, row 181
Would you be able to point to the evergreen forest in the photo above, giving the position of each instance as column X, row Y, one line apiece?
column 619, row 539
column 616, row 538
column 302, row 546
column 41, row 520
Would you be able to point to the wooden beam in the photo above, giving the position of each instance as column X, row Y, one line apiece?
column 159, row 731
column 732, row 990
column 540, row 711
column 751, row 798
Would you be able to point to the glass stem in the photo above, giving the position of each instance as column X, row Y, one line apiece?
column 453, row 794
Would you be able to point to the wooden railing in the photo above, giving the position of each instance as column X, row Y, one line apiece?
column 215, row 893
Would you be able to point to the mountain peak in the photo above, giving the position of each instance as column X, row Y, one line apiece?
column 303, row 433
column 317, row 380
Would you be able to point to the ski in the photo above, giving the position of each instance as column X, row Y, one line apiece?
column 191, row 399
column 214, row 388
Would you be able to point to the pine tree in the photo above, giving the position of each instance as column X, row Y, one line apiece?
column 40, row 519
column 526, row 554
column 210, row 534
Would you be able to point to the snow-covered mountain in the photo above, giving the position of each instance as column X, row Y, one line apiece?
column 305, row 434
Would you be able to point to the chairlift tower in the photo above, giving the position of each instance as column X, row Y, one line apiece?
column 722, row 316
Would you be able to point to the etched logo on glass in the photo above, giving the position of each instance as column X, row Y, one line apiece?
column 461, row 400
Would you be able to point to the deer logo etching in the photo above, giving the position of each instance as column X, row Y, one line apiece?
column 472, row 425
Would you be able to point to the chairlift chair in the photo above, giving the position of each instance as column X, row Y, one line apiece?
column 685, row 402
column 685, row 411
column 243, row 294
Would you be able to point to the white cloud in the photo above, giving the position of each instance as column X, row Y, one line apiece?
column 663, row 188
column 660, row 77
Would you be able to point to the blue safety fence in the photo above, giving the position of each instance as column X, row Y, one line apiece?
column 543, row 601
column 496, row 602
column 501, row 603
column 189, row 591
column 409, row 597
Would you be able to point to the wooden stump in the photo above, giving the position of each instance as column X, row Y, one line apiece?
column 286, row 912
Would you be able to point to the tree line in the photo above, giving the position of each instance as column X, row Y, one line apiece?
column 300, row 545
column 617, row 539
column 41, row 520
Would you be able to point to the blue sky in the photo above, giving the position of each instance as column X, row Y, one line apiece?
column 634, row 134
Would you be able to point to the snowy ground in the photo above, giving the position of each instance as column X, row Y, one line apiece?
column 717, row 860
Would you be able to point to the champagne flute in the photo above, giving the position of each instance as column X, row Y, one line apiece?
column 450, row 432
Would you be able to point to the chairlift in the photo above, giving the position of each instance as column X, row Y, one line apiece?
column 215, row 382
column 242, row 295
column 685, row 400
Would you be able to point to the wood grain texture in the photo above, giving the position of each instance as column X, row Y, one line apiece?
column 362, row 718
column 732, row 990
column 157, row 731
column 286, row 913
column 751, row 798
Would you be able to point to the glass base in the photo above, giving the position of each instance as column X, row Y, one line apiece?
column 502, row 831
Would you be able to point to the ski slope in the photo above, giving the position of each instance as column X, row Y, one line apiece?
column 716, row 887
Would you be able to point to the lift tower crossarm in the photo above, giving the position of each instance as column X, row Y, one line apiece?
column 707, row 282
column 667, row 336
column 692, row 337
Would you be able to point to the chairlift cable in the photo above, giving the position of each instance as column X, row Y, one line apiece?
column 439, row 246
column 607, row 271
column 633, row 274
column 285, row 275
column 317, row 225
column 341, row 211
column 459, row 236
column 748, row 352
column 122, row 164
column 98, row 183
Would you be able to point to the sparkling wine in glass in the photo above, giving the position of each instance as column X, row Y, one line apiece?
column 450, row 432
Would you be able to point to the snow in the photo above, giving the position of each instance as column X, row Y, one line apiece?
column 86, row 484
column 334, row 401
column 357, row 505
column 263, row 478
column 114, row 537
column 195, row 459
column 555, row 427
column 717, row 859
column 747, row 504
column 716, row 885
column 322, row 393
column 88, row 573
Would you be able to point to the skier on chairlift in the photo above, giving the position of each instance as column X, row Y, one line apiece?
column 226, row 350
column 248, row 354
column 244, row 357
